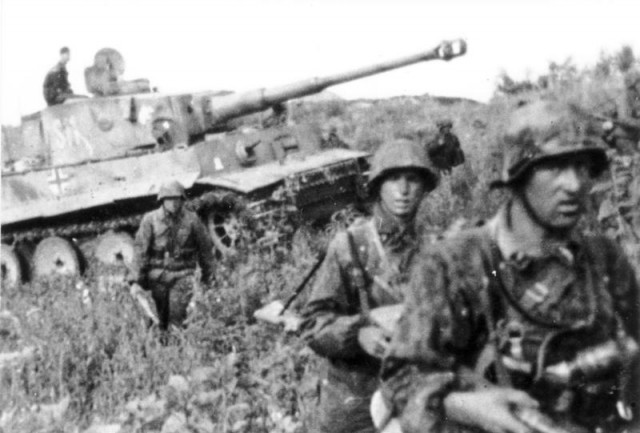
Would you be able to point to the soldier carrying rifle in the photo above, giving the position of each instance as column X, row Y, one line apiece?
column 170, row 242
column 366, row 267
column 525, row 324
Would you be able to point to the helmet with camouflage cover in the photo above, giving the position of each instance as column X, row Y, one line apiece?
column 401, row 154
column 444, row 123
column 545, row 131
column 171, row 189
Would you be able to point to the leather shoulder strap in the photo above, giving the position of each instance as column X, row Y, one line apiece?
column 358, row 275
column 490, row 301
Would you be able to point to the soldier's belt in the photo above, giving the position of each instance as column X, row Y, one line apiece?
column 166, row 276
column 172, row 265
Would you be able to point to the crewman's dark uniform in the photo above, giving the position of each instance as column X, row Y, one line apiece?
column 56, row 87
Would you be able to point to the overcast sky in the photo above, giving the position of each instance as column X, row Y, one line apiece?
column 192, row 45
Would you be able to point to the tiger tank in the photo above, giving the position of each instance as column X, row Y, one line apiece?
column 76, row 188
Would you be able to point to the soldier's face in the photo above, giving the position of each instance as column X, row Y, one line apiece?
column 557, row 191
column 64, row 58
column 401, row 192
column 172, row 205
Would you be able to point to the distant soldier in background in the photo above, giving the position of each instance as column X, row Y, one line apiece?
column 56, row 87
column 621, row 131
column 366, row 267
column 444, row 150
column 527, row 324
column 279, row 116
column 331, row 139
column 170, row 242
column 632, row 90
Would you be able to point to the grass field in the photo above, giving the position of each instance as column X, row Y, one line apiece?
column 91, row 360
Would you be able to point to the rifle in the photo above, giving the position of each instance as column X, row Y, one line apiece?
column 274, row 312
column 137, row 293
column 625, row 123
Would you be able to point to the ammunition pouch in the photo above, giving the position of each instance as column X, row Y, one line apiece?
column 588, row 386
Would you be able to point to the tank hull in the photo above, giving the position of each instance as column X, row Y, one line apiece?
column 87, row 170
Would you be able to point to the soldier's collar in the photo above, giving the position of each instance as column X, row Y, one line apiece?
column 511, row 249
column 168, row 217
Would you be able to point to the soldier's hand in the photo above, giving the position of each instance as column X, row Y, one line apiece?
column 373, row 340
column 196, row 299
column 490, row 409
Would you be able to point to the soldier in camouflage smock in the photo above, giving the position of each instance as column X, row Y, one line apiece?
column 170, row 242
column 366, row 267
column 525, row 324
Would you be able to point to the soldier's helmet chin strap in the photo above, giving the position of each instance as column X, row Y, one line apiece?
column 522, row 196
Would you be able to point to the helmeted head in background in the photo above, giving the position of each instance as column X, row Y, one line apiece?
column 551, row 154
column 172, row 196
column 400, row 175
column 171, row 189
column 444, row 123
column 65, row 55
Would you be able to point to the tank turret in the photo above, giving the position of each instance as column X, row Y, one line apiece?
column 88, row 169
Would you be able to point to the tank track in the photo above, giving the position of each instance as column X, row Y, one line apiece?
column 273, row 216
column 72, row 230
column 226, row 201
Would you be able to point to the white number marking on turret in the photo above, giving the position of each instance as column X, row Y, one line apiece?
column 217, row 163
column 145, row 114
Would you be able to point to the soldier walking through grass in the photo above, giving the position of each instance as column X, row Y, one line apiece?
column 170, row 242
column 366, row 267
column 526, row 324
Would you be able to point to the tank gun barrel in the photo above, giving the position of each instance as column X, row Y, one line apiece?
column 223, row 108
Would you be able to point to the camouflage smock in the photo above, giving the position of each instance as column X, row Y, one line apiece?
column 463, row 288
column 333, row 315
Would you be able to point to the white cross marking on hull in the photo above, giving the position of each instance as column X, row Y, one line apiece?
column 57, row 181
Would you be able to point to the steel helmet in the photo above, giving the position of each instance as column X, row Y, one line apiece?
column 401, row 154
column 444, row 123
column 548, row 130
column 171, row 189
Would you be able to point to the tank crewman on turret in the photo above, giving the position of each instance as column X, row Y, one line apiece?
column 526, row 324
column 444, row 150
column 366, row 267
column 168, row 244
column 56, row 87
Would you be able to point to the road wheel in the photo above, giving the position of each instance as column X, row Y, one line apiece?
column 55, row 255
column 115, row 248
column 224, row 230
column 10, row 264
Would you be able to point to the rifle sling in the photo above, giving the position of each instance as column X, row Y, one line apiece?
column 359, row 276
column 489, row 299
column 304, row 282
